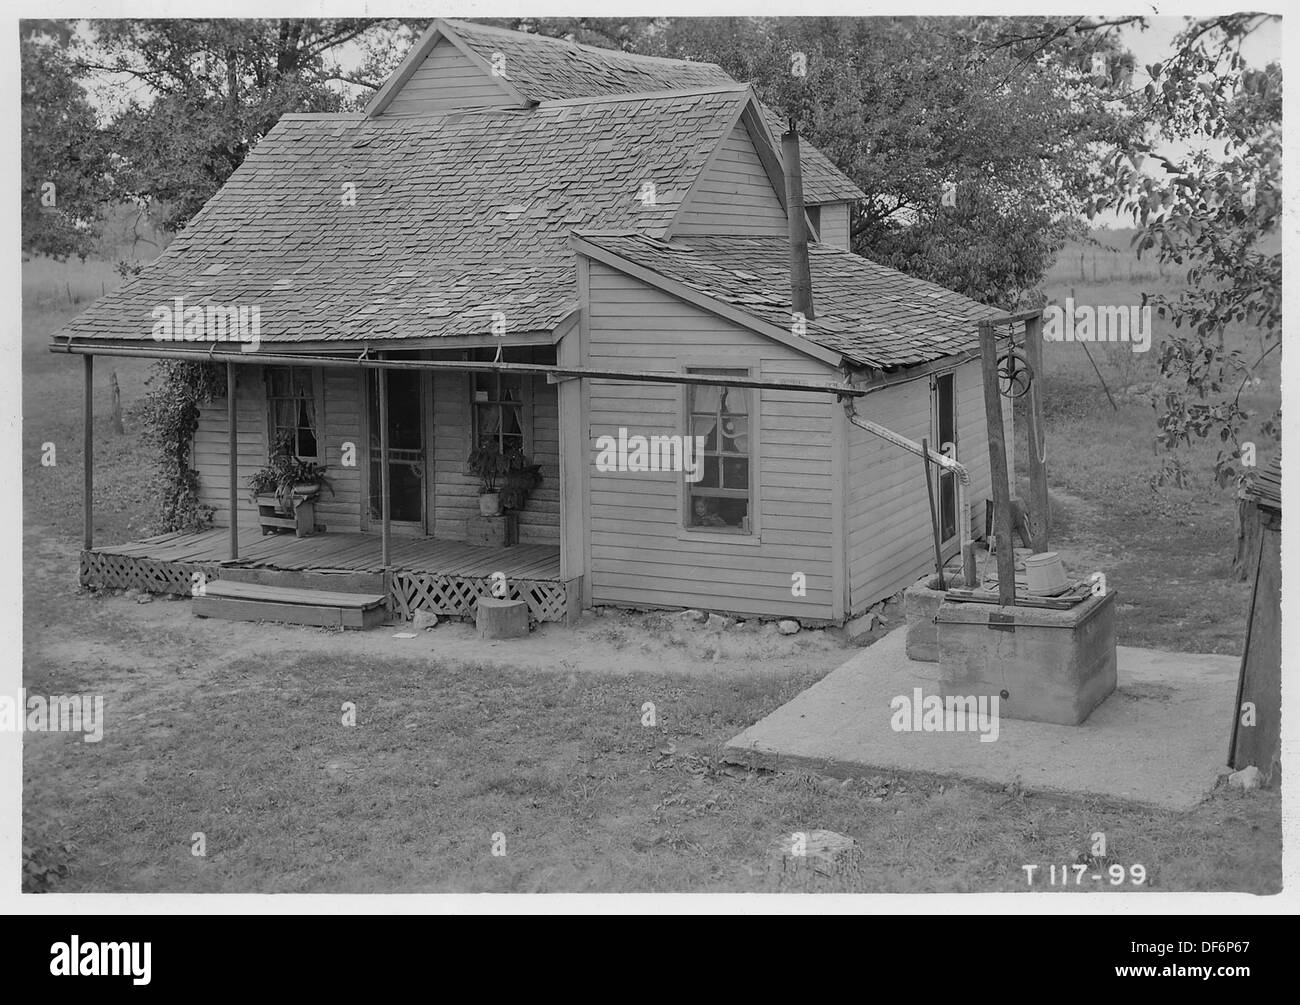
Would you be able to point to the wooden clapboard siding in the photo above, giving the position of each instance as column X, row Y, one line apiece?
column 446, row 80
column 344, row 401
column 639, row 554
column 887, row 513
column 455, row 491
column 539, row 522
column 735, row 195
column 210, row 457
column 834, row 229
column 889, row 536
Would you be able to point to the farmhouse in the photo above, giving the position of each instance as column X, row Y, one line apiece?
column 539, row 247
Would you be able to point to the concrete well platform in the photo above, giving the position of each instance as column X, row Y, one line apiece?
column 1158, row 740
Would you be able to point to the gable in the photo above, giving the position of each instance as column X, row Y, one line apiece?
column 446, row 80
column 735, row 195
column 833, row 225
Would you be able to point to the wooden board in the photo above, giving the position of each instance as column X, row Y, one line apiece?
column 291, row 595
column 233, row 609
column 1064, row 602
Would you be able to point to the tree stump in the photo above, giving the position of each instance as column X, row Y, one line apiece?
column 501, row 619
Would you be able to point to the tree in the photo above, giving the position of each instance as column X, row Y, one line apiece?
column 1215, row 211
column 66, row 166
column 977, row 159
column 215, row 87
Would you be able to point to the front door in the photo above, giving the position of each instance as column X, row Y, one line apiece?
column 406, row 455
column 945, row 436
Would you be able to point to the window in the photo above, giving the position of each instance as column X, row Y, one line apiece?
column 499, row 410
column 294, row 412
column 719, row 419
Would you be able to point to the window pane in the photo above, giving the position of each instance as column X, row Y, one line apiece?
column 709, row 478
column 734, row 401
column 735, row 473
column 489, row 420
column 704, row 512
column 705, row 425
column 511, row 419
column 733, row 512
column 705, row 399
column 735, row 435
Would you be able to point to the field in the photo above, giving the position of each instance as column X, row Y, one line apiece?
column 237, row 736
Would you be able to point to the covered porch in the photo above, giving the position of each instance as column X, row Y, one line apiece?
column 445, row 577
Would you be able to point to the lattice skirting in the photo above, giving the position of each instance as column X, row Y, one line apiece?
column 452, row 596
column 123, row 572
column 456, row 596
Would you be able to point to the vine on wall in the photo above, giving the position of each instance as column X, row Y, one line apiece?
column 176, row 390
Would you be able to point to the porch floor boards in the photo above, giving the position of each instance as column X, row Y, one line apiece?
column 346, row 553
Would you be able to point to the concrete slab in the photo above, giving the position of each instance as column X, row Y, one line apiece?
column 1158, row 740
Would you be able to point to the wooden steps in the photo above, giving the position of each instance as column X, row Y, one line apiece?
column 232, row 601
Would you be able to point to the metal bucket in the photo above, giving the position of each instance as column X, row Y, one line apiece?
column 1045, row 574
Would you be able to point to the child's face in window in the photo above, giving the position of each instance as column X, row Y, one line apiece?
column 701, row 507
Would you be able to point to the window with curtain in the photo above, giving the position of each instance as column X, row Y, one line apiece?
column 720, row 418
column 499, row 410
column 291, row 398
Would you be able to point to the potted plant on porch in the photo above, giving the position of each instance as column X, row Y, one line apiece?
column 286, row 489
column 505, row 480
column 491, row 465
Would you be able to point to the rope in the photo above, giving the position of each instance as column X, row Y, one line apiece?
column 1036, row 416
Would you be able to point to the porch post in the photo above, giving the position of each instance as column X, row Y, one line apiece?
column 998, row 466
column 383, row 462
column 88, row 449
column 233, row 450
column 1038, row 501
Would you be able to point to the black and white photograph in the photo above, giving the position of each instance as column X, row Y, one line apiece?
column 593, row 460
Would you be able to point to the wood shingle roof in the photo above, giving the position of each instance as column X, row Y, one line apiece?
column 543, row 68
column 351, row 228
column 870, row 314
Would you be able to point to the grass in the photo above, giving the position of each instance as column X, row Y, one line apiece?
column 253, row 755
column 250, row 750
